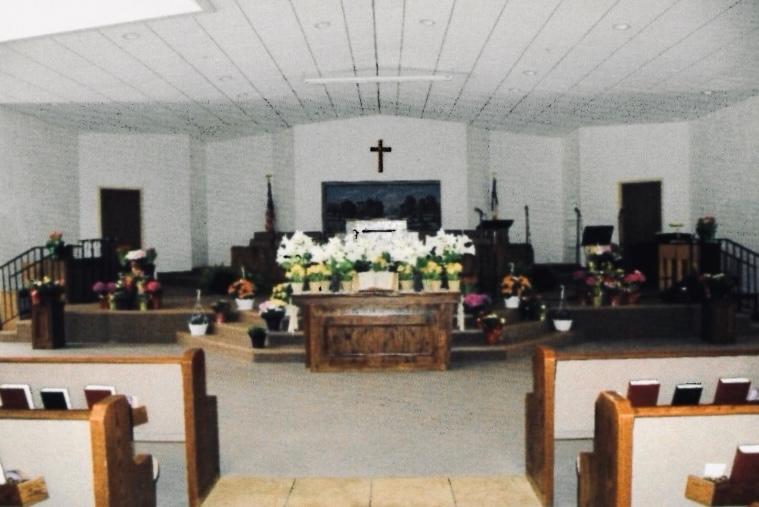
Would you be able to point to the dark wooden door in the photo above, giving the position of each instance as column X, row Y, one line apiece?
column 639, row 221
column 120, row 216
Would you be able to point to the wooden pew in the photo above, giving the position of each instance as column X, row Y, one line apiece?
column 643, row 456
column 84, row 456
column 565, row 387
column 173, row 388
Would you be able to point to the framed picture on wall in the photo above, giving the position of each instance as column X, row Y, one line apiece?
column 417, row 202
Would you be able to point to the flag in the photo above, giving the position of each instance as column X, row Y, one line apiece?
column 494, row 199
column 270, row 217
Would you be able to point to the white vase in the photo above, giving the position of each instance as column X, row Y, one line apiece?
column 406, row 285
column 297, row 287
column 244, row 304
column 198, row 329
column 511, row 302
column 562, row 325
column 322, row 287
column 454, row 285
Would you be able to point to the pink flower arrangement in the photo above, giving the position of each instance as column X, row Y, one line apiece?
column 100, row 288
column 635, row 277
column 152, row 286
column 473, row 300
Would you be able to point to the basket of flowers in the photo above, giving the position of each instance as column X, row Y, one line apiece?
column 243, row 291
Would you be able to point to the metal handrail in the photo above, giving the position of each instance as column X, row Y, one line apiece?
column 742, row 264
column 37, row 262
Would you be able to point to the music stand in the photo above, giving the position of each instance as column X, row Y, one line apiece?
column 597, row 235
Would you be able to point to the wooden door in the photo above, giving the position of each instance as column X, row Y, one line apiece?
column 121, row 217
column 639, row 221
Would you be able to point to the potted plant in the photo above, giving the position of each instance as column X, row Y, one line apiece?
column 318, row 276
column 198, row 324
column 718, row 308
column 405, row 277
column 221, row 310
column 243, row 291
column 431, row 274
column 101, row 290
column 453, row 276
column 492, row 327
column 257, row 337
column 272, row 311
column 475, row 303
column 512, row 287
column 562, row 319
column 154, row 293
column 55, row 245
column 296, row 275
column 706, row 228
column 631, row 286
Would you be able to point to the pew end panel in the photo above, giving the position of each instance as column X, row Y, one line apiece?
column 202, row 428
column 644, row 456
column 85, row 457
column 539, row 425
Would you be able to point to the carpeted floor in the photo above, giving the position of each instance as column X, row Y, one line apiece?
column 281, row 421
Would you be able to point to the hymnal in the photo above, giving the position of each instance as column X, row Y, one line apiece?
column 94, row 394
column 643, row 393
column 55, row 398
column 16, row 396
column 732, row 391
column 746, row 465
column 687, row 394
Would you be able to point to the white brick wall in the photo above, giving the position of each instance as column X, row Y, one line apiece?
column 725, row 177
column 159, row 166
column 571, row 196
column 283, row 183
column 478, row 175
column 529, row 172
column 339, row 151
column 39, row 182
column 236, row 192
column 613, row 155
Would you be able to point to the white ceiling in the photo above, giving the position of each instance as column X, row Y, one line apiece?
column 238, row 69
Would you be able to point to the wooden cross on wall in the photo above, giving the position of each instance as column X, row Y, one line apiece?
column 381, row 150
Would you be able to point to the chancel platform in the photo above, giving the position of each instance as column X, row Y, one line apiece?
column 378, row 330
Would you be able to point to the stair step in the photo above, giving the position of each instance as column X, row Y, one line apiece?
column 9, row 336
column 502, row 351
column 208, row 343
column 288, row 354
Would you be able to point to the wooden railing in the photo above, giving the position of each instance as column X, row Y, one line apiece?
column 742, row 264
column 80, row 267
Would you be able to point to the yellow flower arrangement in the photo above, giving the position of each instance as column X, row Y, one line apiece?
column 431, row 271
column 296, row 273
column 453, row 270
column 318, row 272
column 405, row 271
column 513, row 285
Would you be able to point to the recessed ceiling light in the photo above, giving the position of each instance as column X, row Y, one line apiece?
column 226, row 78
column 621, row 26
column 321, row 25
column 427, row 22
column 131, row 36
column 530, row 73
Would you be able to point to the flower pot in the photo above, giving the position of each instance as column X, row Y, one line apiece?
column 431, row 285
column 198, row 329
column 258, row 341
column 633, row 297
column 346, row 286
column 562, row 325
column 492, row 328
column 454, row 285
column 273, row 320
column 103, row 302
column 615, row 299
column 219, row 317
column 321, row 286
column 244, row 304
column 406, row 285
column 511, row 302
column 297, row 287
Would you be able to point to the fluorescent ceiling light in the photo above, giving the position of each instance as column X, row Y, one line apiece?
column 376, row 79
column 22, row 19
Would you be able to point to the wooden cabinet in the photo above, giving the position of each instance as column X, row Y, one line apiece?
column 378, row 330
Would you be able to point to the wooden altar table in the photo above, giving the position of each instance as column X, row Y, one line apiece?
column 378, row 330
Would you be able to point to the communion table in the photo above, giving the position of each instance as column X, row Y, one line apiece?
column 378, row 330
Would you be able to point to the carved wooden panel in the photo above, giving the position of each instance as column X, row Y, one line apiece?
column 375, row 330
